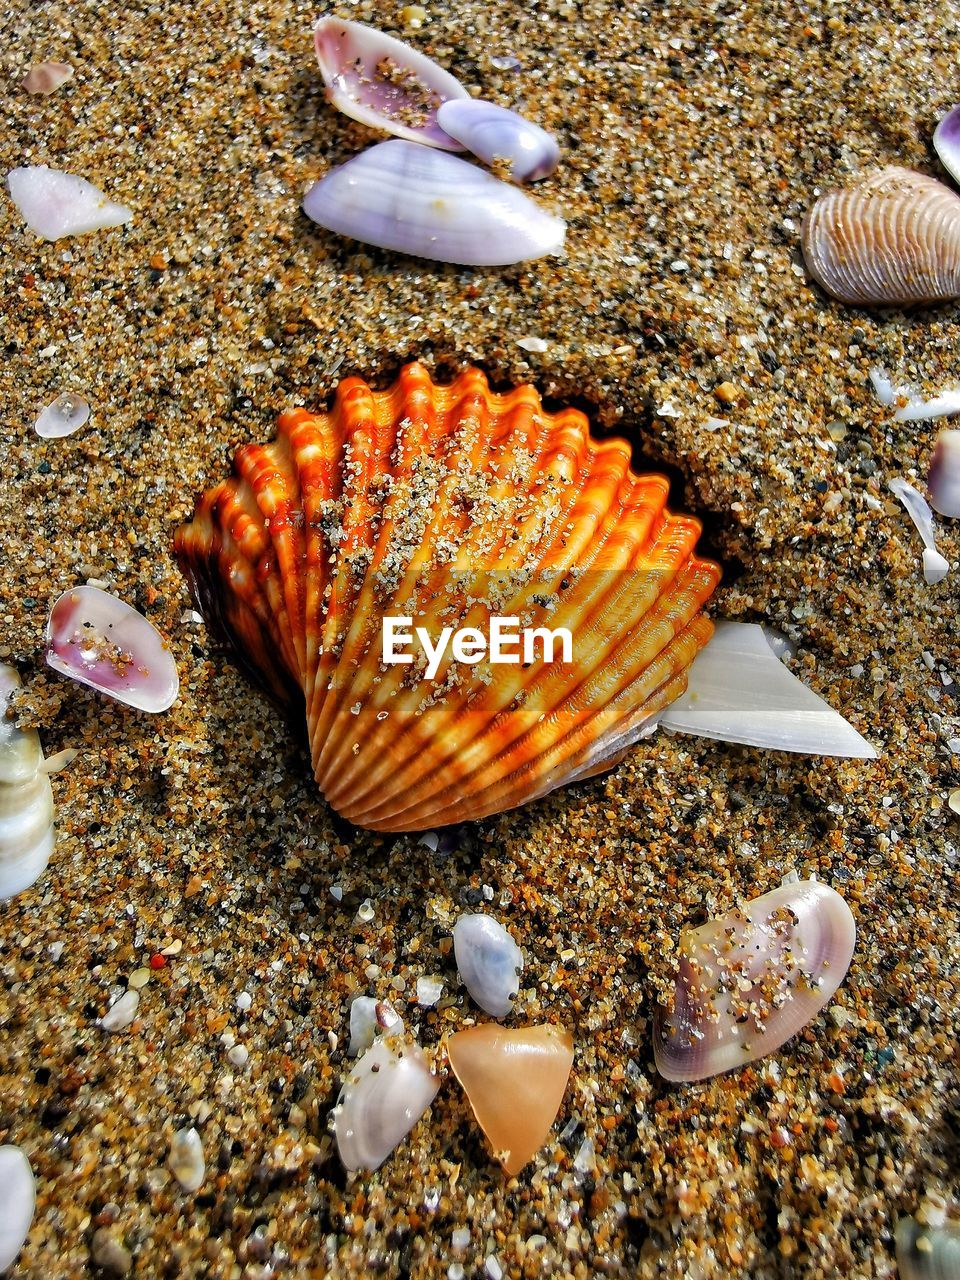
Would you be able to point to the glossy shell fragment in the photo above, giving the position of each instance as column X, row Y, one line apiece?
column 495, row 133
column 946, row 142
column 18, row 1198
column 97, row 639
column 749, row 981
column 387, row 1091
column 892, row 240
column 943, row 483
column 514, row 1081
column 46, row 77
column 416, row 200
column 61, row 417
column 927, row 1253
column 456, row 503
column 56, row 204
column 488, row 961
column 382, row 82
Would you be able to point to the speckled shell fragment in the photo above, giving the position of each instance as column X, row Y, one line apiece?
column 437, row 499
column 893, row 239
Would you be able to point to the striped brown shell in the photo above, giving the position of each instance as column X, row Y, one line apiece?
column 449, row 502
column 893, row 239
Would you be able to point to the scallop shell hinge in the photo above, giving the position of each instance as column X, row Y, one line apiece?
column 449, row 505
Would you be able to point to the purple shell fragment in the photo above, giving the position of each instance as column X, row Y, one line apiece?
column 495, row 133
column 97, row 639
column 433, row 205
column 384, row 83
column 943, row 483
column 946, row 142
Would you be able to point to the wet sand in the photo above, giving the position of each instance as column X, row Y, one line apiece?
column 693, row 139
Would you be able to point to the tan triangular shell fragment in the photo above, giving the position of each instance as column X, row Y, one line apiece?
column 893, row 239
column 514, row 1079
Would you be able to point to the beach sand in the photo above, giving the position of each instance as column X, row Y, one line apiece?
column 693, row 138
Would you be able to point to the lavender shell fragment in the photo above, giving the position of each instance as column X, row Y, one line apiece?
column 752, row 979
column 495, row 133
column 384, row 83
column 946, row 142
column 61, row 417
column 97, row 639
column 943, row 483
column 424, row 202
column 56, row 204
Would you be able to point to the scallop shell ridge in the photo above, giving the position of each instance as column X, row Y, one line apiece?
column 402, row 500
column 892, row 239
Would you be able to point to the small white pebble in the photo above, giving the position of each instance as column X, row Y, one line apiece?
column 186, row 1159
column 429, row 991
column 336, row 892
column 532, row 344
column 138, row 979
column 122, row 1013
column 365, row 912
column 493, row 1268
column 56, row 950
column 238, row 1055
column 244, row 1001
column 460, row 1239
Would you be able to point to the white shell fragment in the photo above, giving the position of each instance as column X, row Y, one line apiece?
column 749, row 981
column 56, row 204
column 26, row 798
column 384, row 83
column 368, row 1016
column 18, row 1198
column 97, row 639
column 387, row 1091
column 892, row 239
column 935, row 566
column 495, row 133
column 489, row 962
column 423, row 202
column 122, row 1012
column 927, row 1253
column 738, row 690
column 62, row 416
column 910, row 406
column 47, row 77
column 186, row 1159
column 946, row 142
column 943, row 482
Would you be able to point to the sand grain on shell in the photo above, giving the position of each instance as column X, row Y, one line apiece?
column 690, row 133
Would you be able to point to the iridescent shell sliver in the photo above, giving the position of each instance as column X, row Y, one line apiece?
column 892, row 239
column 438, row 502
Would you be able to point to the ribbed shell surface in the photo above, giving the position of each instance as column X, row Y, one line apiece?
column 420, row 494
column 891, row 240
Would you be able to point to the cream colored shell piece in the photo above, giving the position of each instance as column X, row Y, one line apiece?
column 892, row 239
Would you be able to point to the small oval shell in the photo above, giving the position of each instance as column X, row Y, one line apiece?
column 387, row 1091
column 415, row 200
column 17, row 1202
column 496, row 133
column 99, row 640
column 891, row 240
column 943, row 483
column 489, row 962
column 187, row 1160
column 927, row 1253
column 752, row 979
column 26, row 800
column 384, row 83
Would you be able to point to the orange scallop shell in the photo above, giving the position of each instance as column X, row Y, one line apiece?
column 449, row 503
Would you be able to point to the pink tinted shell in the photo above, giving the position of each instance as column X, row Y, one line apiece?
column 752, row 979
column 97, row 639
column 384, row 83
